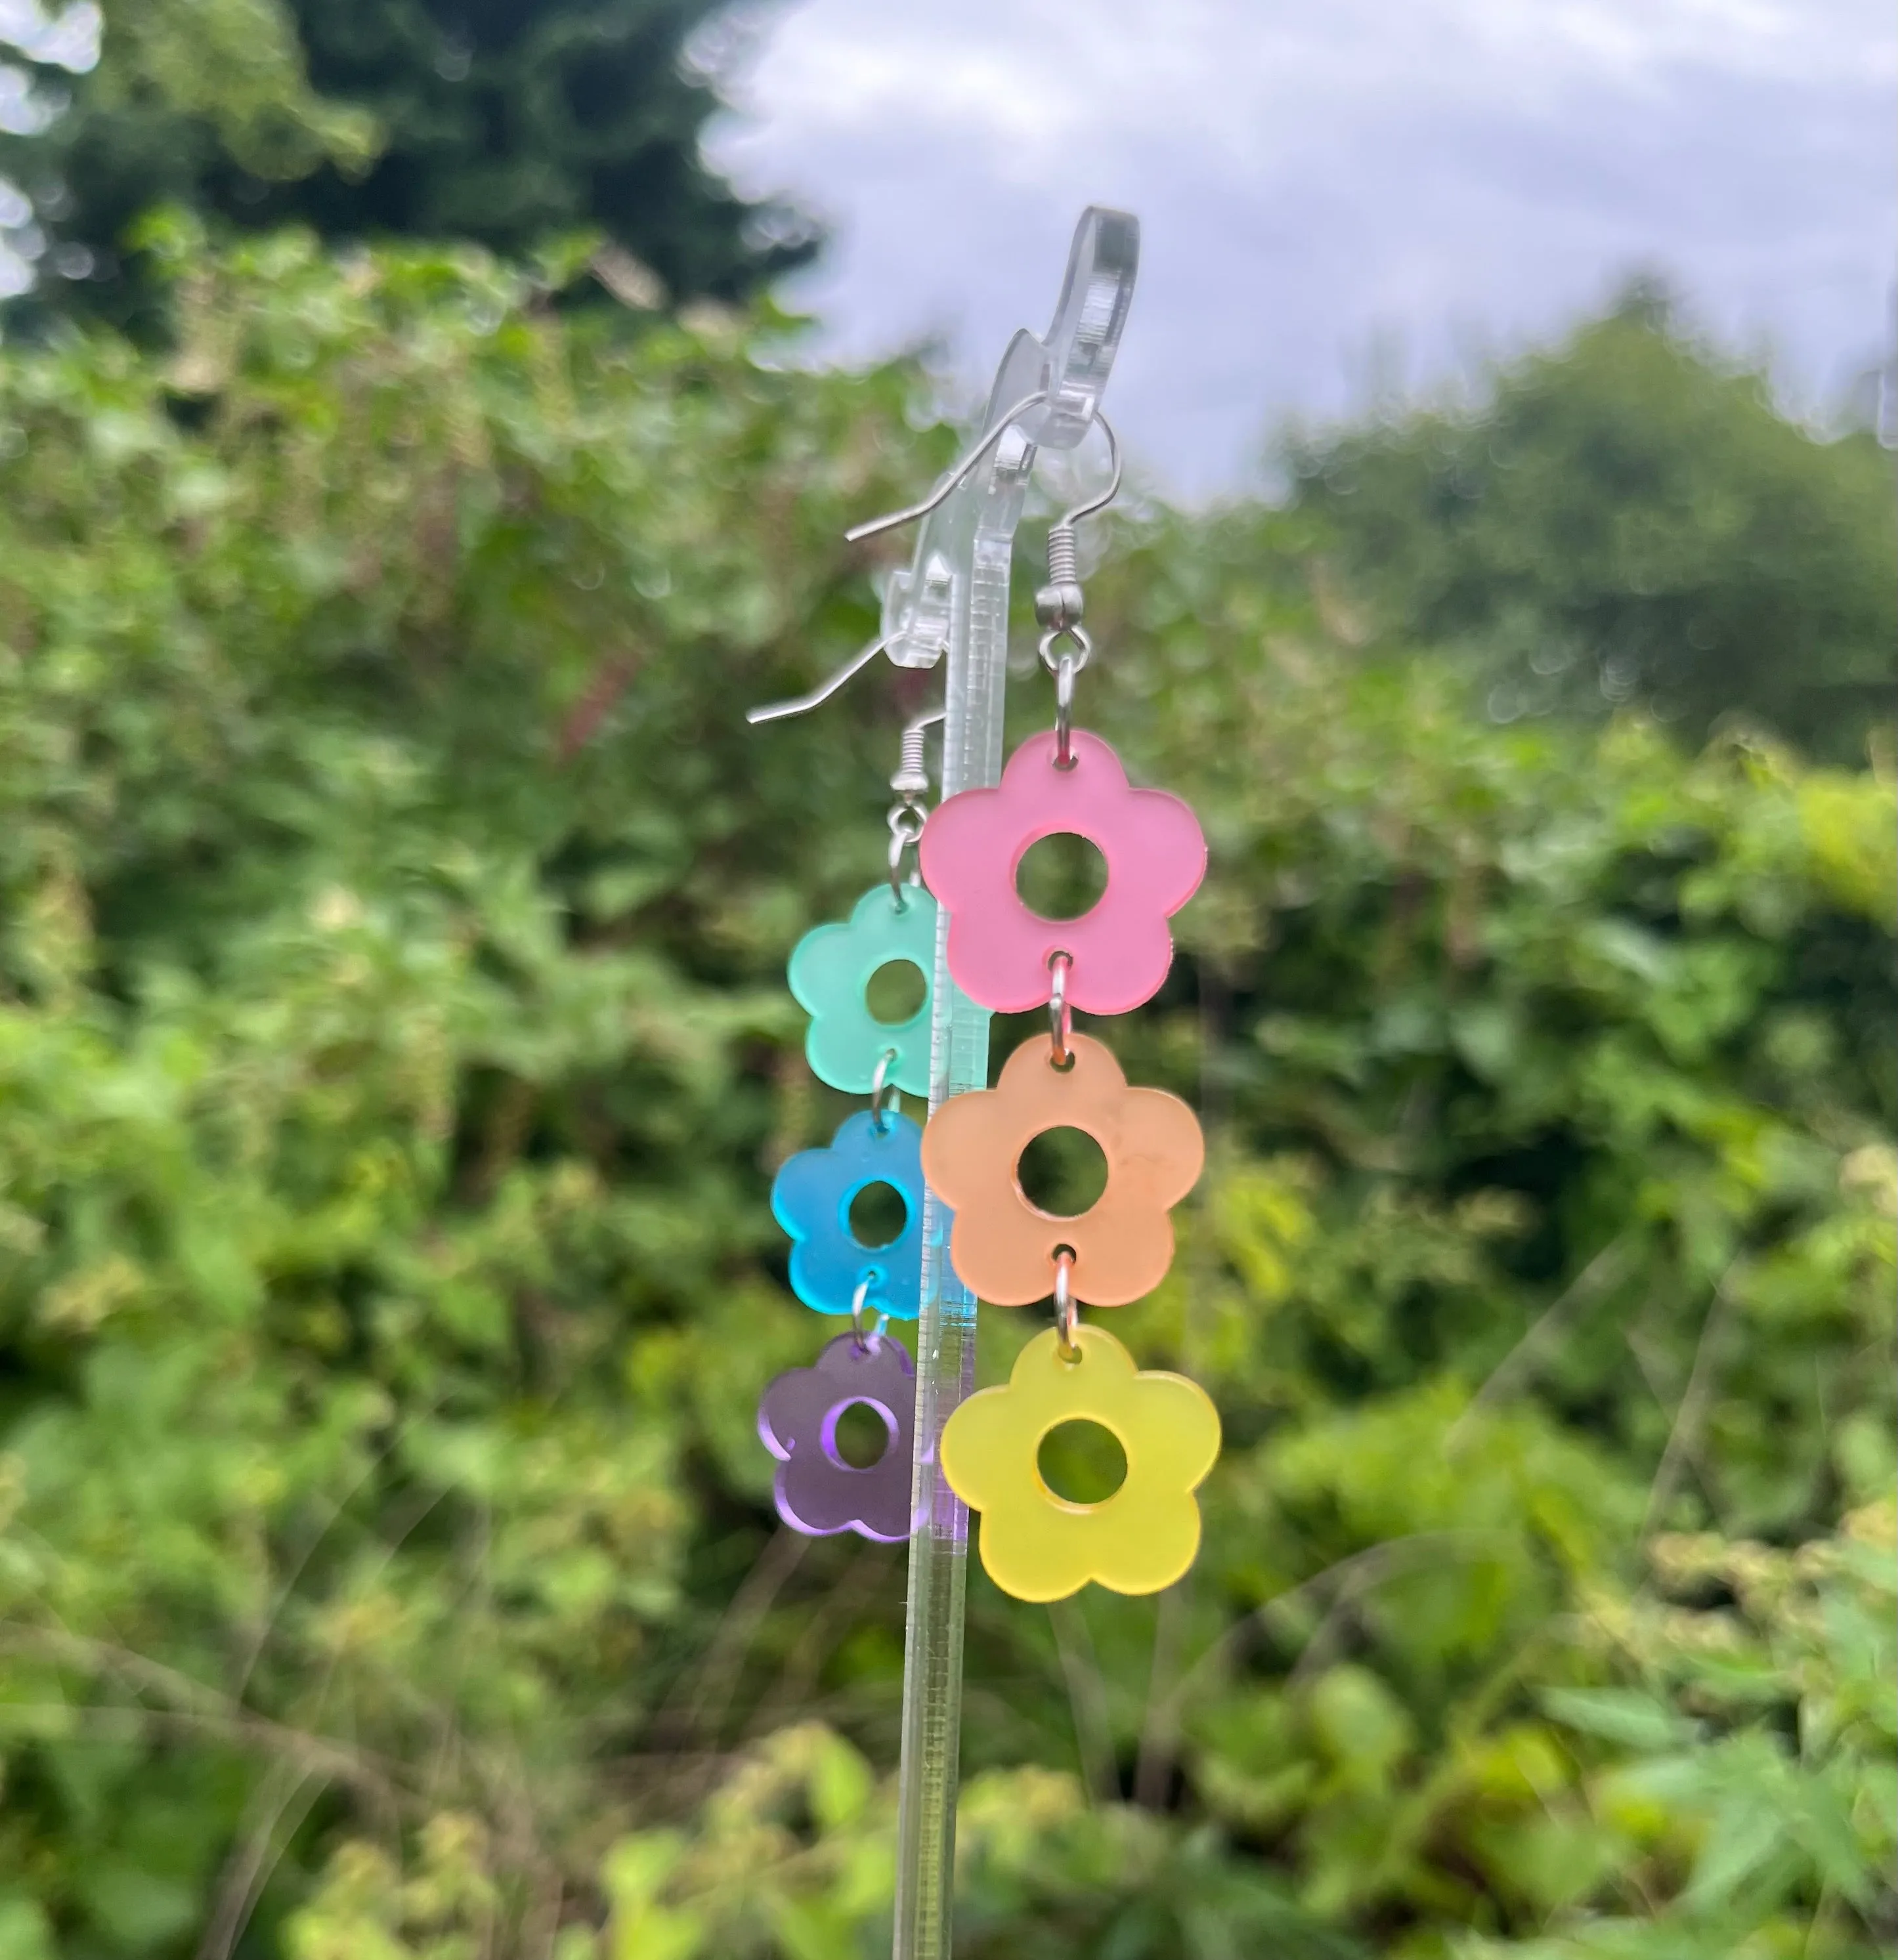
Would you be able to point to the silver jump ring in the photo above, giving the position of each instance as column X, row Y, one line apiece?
column 1083, row 652
column 1061, row 1021
column 906, row 824
column 1064, row 712
column 867, row 1343
column 885, row 1097
column 1067, row 1314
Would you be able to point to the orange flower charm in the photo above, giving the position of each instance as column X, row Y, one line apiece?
column 1002, row 1246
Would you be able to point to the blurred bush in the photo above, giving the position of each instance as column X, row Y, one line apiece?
column 1624, row 517
column 393, row 1057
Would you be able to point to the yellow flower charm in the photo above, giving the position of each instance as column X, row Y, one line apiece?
column 1037, row 1545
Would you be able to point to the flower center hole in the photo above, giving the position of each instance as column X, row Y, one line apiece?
column 1061, row 877
column 878, row 1214
column 860, row 1436
column 896, row 992
column 1082, row 1462
column 1062, row 1173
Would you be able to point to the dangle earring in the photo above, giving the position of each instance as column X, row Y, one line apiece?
column 818, row 1490
column 1035, row 1544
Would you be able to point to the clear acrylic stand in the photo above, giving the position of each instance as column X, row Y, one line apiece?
column 954, row 599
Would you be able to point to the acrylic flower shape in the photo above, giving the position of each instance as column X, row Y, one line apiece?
column 1121, row 949
column 816, row 1491
column 812, row 1198
column 1037, row 1545
column 1004, row 1245
column 829, row 974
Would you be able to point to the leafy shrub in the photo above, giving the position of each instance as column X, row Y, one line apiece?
column 394, row 1057
column 1625, row 516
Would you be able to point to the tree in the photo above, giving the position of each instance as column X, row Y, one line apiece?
column 1624, row 518
column 494, row 120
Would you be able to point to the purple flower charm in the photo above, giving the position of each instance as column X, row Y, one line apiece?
column 817, row 1492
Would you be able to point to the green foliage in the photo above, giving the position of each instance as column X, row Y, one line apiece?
column 513, row 126
column 394, row 1057
column 1624, row 517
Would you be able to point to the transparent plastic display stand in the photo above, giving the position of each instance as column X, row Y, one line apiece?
column 953, row 600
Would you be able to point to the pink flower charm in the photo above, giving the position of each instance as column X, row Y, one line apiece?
column 1120, row 949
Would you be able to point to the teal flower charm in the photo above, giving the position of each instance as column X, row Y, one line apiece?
column 830, row 970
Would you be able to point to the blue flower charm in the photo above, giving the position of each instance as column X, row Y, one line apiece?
column 812, row 1198
column 831, row 968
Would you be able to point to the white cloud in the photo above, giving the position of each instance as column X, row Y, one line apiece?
column 69, row 41
column 1312, row 175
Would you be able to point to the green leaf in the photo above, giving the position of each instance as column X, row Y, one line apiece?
column 1623, row 1715
column 25, row 1932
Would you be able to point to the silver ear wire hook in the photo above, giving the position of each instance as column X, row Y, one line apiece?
column 1113, row 490
column 911, row 783
column 911, row 775
column 858, row 532
column 802, row 704
column 1059, row 603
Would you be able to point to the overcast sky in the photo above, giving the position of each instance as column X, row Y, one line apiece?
column 1318, row 179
